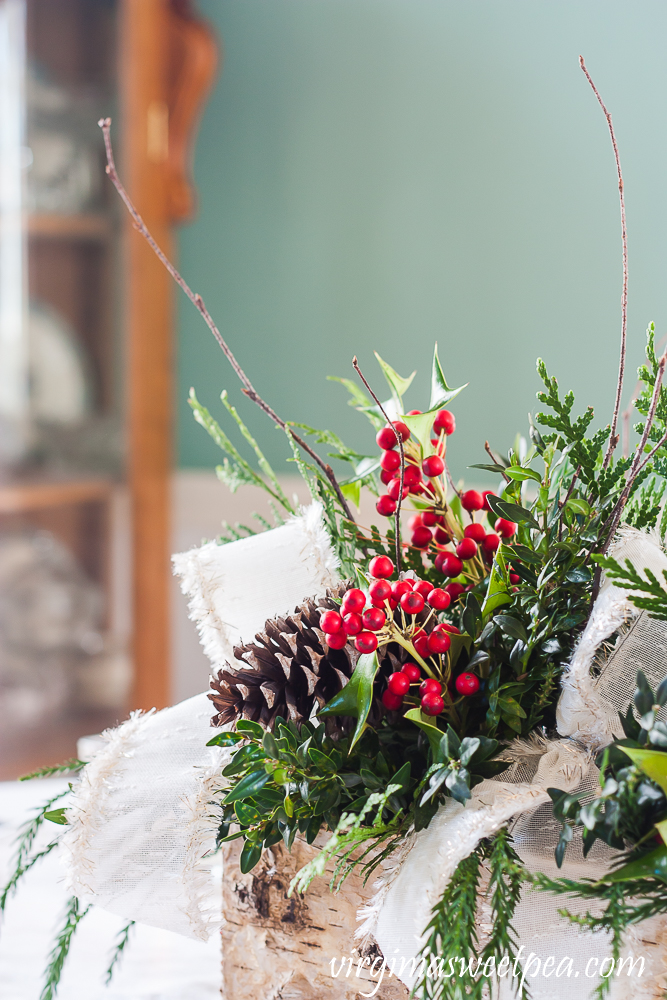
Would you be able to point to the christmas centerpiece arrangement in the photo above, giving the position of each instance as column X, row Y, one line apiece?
column 454, row 719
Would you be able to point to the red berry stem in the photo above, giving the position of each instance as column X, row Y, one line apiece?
column 399, row 441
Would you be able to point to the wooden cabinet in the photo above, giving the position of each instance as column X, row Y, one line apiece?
column 86, row 423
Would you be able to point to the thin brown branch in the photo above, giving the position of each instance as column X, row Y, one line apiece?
column 198, row 302
column 613, row 436
column 399, row 441
column 637, row 464
column 577, row 473
column 450, row 480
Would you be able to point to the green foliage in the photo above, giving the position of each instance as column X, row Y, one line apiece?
column 70, row 766
column 301, row 781
column 24, row 858
column 653, row 596
column 118, row 951
column 54, row 969
column 452, row 934
column 235, row 471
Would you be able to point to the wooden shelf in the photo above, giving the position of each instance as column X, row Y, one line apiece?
column 19, row 497
column 85, row 226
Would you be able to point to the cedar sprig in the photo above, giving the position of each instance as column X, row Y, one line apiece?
column 507, row 877
column 70, row 766
column 73, row 917
column 23, row 862
column 119, row 949
column 452, row 933
column 653, row 593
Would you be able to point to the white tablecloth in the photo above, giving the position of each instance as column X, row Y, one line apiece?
column 158, row 965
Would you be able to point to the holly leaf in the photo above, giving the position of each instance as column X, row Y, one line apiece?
column 441, row 393
column 398, row 385
column 56, row 816
column 421, row 428
column 497, row 592
column 356, row 697
column 352, row 491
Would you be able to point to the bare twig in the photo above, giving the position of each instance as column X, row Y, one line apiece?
column 613, row 436
column 577, row 473
column 450, row 480
column 198, row 302
column 399, row 441
column 637, row 464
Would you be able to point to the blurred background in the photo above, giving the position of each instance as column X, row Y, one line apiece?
column 334, row 178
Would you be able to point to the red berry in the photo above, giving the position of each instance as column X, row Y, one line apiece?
column 450, row 564
column 446, row 627
column 390, row 461
column 412, row 475
column 402, row 429
column 423, row 587
column 336, row 640
column 354, row 600
column 366, row 642
column 386, row 439
column 420, row 642
column 421, row 537
column 475, row 531
column 380, row 567
column 491, row 543
column 401, row 587
column 472, row 500
column 331, row 621
column 429, row 518
column 432, row 704
column 486, row 494
column 414, row 413
column 433, row 466
column 444, row 421
column 454, row 590
column 373, row 619
column 379, row 590
column 438, row 642
column 394, row 489
column 386, row 477
column 467, row 684
column 352, row 624
column 442, row 536
column 399, row 684
column 438, row 599
column 515, row 578
column 414, row 522
column 505, row 528
column 412, row 672
column 392, row 702
column 385, row 505
column 412, row 603
column 430, row 686
column 466, row 548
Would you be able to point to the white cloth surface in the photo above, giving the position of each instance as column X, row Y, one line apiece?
column 157, row 964
column 233, row 589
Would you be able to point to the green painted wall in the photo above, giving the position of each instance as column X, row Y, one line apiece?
column 379, row 174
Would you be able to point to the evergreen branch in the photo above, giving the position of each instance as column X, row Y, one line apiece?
column 119, row 948
column 452, row 933
column 73, row 917
column 656, row 600
column 507, row 877
column 67, row 767
column 198, row 302
column 262, row 461
column 25, row 841
column 21, row 870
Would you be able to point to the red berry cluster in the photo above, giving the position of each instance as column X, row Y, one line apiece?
column 362, row 623
column 434, row 528
column 430, row 689
column 416, row 469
